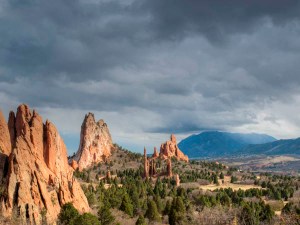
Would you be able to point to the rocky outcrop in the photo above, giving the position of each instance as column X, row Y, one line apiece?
column 12, row 128
column 146, row 164
column 95, row 143
column 74, row 164
column 169, row 168
column 38, row 179
column 170, row 149
column 5, row 143
column 152, row 168
column 155, row 153
column 177, row 180
column 5, row 146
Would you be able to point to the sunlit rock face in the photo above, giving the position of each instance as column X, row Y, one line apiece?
column 95, row 143
column 37, row 177
column 170, row 149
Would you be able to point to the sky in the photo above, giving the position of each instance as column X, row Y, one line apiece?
column 150, row 68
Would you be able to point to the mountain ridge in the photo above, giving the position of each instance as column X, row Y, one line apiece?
column 279, row 147
column 216, row 143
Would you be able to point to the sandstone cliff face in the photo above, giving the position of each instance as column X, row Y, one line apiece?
column 5, row 146
column 39, row 178
column 95, row 142
column 5, row 143
column 170, row 149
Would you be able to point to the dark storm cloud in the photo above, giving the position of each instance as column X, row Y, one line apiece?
column 216, row 19
column 82, row 38
column 70, row 38
column 162, row 65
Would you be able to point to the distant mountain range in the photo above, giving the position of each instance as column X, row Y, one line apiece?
column 215, row 144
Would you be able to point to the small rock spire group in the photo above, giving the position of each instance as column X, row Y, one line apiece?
column 168, row 150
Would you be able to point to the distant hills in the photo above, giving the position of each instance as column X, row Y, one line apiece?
column 280, row 147
column 215, row 144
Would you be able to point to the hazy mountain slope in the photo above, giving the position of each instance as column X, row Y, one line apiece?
column 215, row 143
column 280, row 147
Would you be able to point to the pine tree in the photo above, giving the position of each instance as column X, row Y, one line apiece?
column 221, row 175
column 179, row 205
column 173, row 216
column 167, row 208
column 104, row 215
column 87, row 219
column 267, row 213
column 177, row 211
column 158, row 202
column 215, row 178
column 141, row 221
column 126, row 205
column 152, row 212
column 68, row 214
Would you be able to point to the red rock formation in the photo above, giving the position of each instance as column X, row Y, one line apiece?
column 169, row 168
column 5, row 146
column 177, row 180
column 39, row 177
column 5, row 143
column 155, row 153
column 74, row 164
column 170, row 149
column 152, row 168
column 146, row 164
column 95, row 142
column 11, row 128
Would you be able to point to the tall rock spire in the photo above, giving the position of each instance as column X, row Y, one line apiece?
column 95, row 142
column 146, row 164
column 155, row 153
column 169, row 168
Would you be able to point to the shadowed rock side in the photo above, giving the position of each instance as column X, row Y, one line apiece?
column 38, row 177
column 5, row 143
column 95, row 143
column 170, row 149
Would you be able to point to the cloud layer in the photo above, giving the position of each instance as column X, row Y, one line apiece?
column 151, row 68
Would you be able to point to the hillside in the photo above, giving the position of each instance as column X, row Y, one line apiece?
column 205, row 190
column 215, row 143
column 280, row 147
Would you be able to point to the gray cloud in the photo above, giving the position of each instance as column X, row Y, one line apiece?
column 154, row 67
column 216, row 20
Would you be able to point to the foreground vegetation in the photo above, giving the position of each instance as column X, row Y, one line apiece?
column 127, row 198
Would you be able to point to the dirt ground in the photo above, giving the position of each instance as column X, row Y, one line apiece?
column 227, row 184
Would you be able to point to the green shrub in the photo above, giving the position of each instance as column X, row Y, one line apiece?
column 104, row 215
column 68, row 214
column 86, row 219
